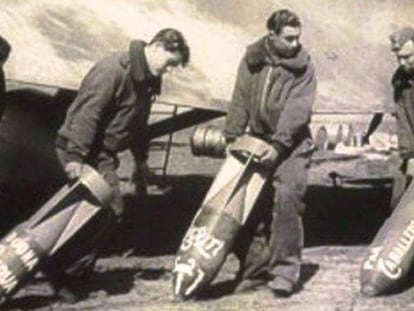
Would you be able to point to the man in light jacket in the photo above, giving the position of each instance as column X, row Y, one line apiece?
column 272, row 99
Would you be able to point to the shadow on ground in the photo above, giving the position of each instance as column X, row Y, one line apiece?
column 334, row 216
column 345, row 216
column 155, row 227
column 28, row 303
column 107, row 283
column 225, row 288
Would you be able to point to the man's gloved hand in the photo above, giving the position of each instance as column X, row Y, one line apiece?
column 74, row 170
column 269, row 157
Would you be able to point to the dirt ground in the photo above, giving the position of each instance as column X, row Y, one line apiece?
column 135, row 271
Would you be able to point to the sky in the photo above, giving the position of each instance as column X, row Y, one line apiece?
column 56, row 42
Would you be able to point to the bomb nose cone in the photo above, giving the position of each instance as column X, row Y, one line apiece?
column 181, row 282
column 187, row 280
column 181, row 285
column 179, row 298
column 178, row 287
column 369, row 290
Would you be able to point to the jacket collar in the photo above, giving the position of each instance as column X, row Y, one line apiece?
column 139, row 66
column 401, row 78
column 260, row 54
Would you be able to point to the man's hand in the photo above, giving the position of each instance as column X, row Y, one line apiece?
column 74, row 170
column 269, row 157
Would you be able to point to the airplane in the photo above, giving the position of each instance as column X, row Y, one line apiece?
column 54, row 43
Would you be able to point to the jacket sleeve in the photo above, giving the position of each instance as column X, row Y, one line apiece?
column 95, row 97
column 237, row 116
column 297, row 111
column 404, row 133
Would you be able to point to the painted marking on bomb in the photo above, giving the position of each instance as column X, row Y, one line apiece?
column 390, row 265
column 197, row 281
column 8, row 280
column 25, row 252
column 21, row 249
column 207, row 245
column 11, row 237
column 3, row 249
column 190, row 269
column 371, row 262
column 185, row 268
column 389, row 268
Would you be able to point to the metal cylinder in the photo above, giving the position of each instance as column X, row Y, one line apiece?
column 208, row 141
column 321, row 138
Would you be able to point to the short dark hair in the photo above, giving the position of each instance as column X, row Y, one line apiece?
column 173, row 41
column 282, row 18
column 400, row 37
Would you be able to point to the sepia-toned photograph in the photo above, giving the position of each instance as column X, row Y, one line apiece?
column 206, row 155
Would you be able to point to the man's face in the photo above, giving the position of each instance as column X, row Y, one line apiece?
column 162, row 60
column 286, row 43
column 405, row 56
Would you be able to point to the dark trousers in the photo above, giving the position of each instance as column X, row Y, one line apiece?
column 400, row 184
column 271, row 242
column 2, row 92
column 77, row 258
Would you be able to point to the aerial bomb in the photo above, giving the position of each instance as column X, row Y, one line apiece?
column 223, row 212
column 391, row 253
column 23, row 250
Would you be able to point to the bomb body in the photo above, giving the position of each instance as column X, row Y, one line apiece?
column 25, row 248
column 391, row 254
column 223, row 213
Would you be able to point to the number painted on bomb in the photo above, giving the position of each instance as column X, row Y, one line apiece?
column 207, row 245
